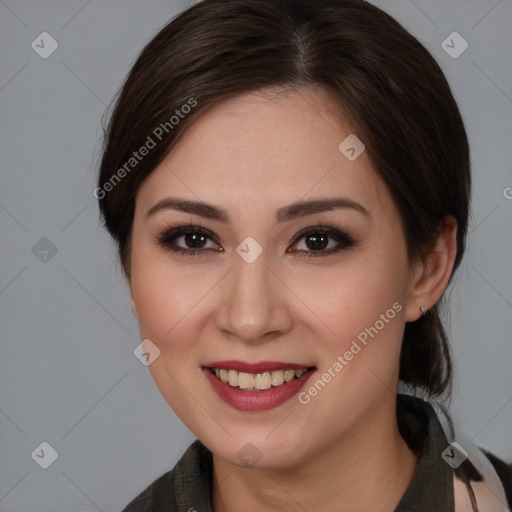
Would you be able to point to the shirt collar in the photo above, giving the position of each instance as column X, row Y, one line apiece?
column 431, row 487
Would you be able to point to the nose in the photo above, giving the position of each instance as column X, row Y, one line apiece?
column 253, row 306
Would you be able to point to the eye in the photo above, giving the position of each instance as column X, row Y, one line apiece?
column 192, row 240
column 316, row 240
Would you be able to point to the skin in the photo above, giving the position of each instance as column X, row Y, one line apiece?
column 251, row 155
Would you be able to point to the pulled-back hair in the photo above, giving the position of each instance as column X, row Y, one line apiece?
column 393, row 91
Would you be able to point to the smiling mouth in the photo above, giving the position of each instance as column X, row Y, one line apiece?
column 258, row 381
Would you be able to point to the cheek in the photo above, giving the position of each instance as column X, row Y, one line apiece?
column 165, row 293
column 369, row 327
column 362, row 306
column 350, row 297
column 160, row 305
column 169, row 306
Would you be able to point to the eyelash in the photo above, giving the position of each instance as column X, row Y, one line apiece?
column 171, row 233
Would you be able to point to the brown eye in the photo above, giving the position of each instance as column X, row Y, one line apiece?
column 319, row 241
column 315, row 242
column 194, row 240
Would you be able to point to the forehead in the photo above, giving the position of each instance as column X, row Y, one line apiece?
column 263, row 148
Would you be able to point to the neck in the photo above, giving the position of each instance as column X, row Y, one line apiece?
column 367, row 469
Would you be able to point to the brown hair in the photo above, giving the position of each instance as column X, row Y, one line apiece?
column 393, row 90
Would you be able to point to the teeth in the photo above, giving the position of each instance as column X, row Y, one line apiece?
column 245, row 380
column 258, row 381
column 233, row 378
column 288, row 375
column 263, row 381
column 277, row 377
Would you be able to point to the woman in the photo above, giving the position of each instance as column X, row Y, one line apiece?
column 288, row 184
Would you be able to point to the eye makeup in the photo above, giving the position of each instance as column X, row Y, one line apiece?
column 320, row 236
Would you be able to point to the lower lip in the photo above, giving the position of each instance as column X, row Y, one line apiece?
column 256, row 400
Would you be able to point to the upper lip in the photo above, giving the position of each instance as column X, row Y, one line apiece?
column 260, row 367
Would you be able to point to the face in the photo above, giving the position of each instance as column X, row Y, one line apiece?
column 259, row 284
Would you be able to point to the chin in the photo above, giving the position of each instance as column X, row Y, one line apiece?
column 259, row 452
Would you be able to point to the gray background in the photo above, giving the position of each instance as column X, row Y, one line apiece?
column 68, row 375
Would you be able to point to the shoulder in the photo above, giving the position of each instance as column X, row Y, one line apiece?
column 474, row 477
column 190, row 477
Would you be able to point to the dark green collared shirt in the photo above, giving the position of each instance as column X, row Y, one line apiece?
column 188, row 486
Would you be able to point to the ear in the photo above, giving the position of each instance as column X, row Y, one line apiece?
column 430, row 276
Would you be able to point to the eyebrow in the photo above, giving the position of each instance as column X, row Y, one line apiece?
column 286, row 213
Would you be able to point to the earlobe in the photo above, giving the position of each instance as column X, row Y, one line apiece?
column 432, row 275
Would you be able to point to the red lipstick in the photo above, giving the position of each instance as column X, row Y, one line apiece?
column 244, row 400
